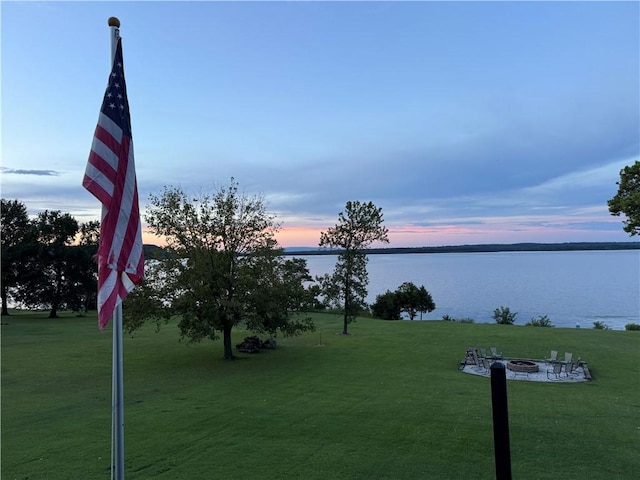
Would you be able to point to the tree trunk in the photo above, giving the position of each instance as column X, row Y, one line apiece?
column 5, row 309
column 226, row 338
column 347, row 304
column 58, row 294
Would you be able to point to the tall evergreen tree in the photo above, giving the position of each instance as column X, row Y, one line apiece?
column 360, row 225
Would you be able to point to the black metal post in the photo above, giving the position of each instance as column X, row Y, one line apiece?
column 500, row 421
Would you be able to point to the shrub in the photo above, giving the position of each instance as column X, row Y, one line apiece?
column 386, row 306
column 541, row 321
column 632, row 326
column 465, row 320
column 598, row 325
column 449, row 318
column 504, row 316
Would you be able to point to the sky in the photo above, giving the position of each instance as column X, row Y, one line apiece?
column 466, row 122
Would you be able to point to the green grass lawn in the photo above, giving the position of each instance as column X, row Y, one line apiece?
column 386, row 402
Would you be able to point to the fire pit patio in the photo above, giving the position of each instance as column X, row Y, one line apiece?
column 528, row 369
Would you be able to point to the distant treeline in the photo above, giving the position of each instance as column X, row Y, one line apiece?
column 514, row 247
column 155, row 252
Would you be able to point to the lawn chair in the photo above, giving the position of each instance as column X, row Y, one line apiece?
column 568, row 368
column 483, row 352
column 555, row 371
column 567, row 357
column 571, row 368
column 495, row 354
column 554, row 356
column 486, row 363
column 469, row 358
column 479, row 365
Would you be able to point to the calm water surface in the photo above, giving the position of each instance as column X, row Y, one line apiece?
column 571, row 288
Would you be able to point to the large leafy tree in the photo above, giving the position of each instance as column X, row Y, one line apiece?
column 224, row 268
column 49, row 283
column 360, row 225
column 627, row 200
column 17, row 241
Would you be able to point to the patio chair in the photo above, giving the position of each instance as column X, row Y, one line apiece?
column 486, row 363
column 479, row 365
column 571, row 368
column 567, row 357
column 568, row 368
column 470, row 358
column 495, row 354
column 553, row 357
column 555, row 371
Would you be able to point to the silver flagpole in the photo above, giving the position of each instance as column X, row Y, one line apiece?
column 117, row 405
column 118, row 396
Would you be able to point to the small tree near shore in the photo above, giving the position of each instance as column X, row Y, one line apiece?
column 407, row 298
column 414, row 299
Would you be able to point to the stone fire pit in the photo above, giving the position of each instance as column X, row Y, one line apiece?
column 523, row 366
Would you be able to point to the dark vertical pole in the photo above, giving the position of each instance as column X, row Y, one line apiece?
column 500, row 421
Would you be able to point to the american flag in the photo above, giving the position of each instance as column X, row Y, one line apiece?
column 111, row 177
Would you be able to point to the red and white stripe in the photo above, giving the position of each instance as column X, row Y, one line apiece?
column 110, row 176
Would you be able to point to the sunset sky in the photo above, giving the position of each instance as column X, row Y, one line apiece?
column 467, row 122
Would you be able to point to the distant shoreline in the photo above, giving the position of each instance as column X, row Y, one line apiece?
column 479, row 248
column 155, row 252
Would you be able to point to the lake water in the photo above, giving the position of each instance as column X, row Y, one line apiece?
column 571, row 288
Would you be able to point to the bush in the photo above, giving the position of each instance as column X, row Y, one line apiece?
column 632, row 326
column 465, row 320
column 541, row 321
column 386, row 306
column 504, row 316
column 598, row 325
column 449, row 318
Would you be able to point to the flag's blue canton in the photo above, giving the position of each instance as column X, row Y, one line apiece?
column 115, row 104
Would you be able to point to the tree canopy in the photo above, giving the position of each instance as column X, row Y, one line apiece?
column 627, row 200
column 43, row 264
column 17, row 236
column 50, row 281
column 360, row 225
column 224, row 268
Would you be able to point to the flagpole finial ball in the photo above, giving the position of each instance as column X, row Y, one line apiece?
column 114, row 22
